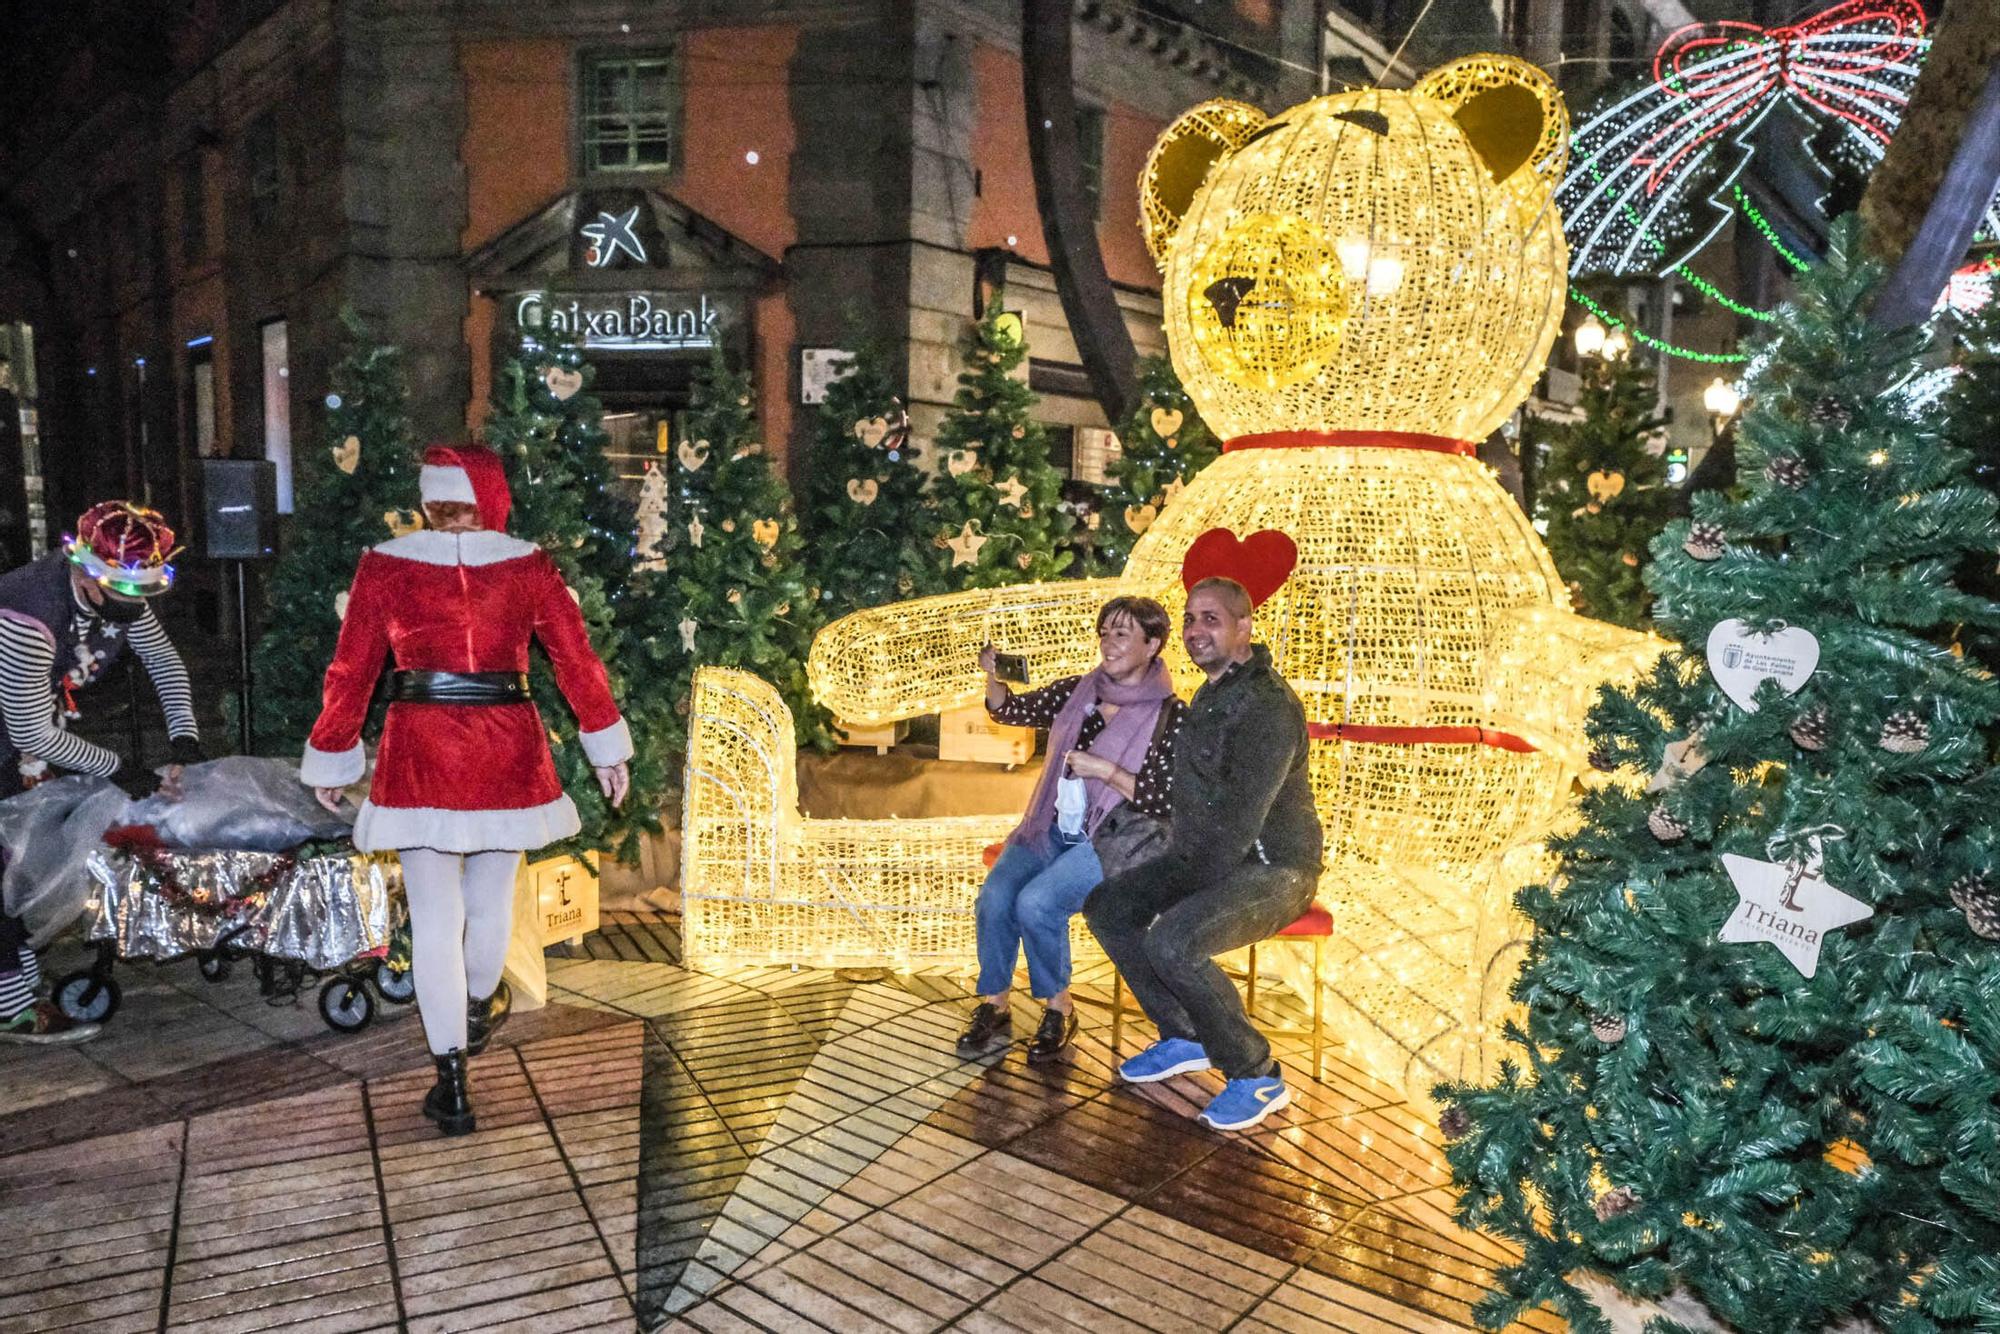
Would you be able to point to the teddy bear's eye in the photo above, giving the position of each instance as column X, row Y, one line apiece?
column 1372, row 121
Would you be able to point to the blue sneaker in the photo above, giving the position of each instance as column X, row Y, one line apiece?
column 1244, row 1102
column 1163, row 1060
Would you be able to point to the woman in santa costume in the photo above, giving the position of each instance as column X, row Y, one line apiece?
column 464, row 782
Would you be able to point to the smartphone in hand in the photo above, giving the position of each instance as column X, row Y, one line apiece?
column 1011, row 667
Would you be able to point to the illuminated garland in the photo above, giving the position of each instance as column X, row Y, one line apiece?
column 1657, row 344
column 1694, row 279
column 1764, row 227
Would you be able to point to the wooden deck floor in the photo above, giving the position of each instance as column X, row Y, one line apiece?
column 767, row 1149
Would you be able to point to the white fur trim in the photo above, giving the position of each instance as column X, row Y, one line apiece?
column 387, row 828
column 481, row 546
column 332, row 768
column 612, row 745
column 437, row 484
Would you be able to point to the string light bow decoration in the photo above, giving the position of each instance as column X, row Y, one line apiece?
column 1355, row 289
column 1635, row 166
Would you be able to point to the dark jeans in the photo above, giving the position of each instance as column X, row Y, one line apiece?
column 1163, row 933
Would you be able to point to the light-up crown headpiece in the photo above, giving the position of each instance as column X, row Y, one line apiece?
column 126, row 548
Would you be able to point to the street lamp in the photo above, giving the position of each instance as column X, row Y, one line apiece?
column 1589, row 337
column 1617, row 346
column 1722, row 401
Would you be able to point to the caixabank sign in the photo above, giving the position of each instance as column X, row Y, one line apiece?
column 632, row 321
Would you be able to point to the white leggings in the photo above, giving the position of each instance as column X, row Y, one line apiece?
column 461, row 915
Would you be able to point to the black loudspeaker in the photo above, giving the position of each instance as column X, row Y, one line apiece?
column 240, row 508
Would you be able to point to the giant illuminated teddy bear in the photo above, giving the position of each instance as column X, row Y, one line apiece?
column 1355, row 291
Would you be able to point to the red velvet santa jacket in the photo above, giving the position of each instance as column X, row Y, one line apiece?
column 457, row 777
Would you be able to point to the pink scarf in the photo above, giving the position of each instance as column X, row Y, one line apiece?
column 1124, row 741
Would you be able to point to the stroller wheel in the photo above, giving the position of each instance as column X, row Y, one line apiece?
column 215, row 967
column 397, row 985
column 345, row 1004
column 87, row 998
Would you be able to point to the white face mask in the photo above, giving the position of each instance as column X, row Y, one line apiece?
column 1072, row 804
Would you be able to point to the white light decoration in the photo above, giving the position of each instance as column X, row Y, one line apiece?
column 1589, row 337
column 1617, row 346
column 1424, row 628
column 1721, row 399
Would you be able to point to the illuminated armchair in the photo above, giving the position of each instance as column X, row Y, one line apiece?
column 761, row 884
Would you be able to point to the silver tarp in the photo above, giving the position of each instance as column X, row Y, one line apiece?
column 324, row 911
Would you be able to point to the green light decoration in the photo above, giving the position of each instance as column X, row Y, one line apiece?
column 1657, row 344
column 1693, row 279
column 1764, row 228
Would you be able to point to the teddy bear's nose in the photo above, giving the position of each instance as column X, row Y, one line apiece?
column 1226, row 294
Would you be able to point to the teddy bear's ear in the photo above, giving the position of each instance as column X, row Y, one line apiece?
column 1180, row 162
column 1511, row 111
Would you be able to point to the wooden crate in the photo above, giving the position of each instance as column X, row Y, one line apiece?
column 876, row 736
column 565, row 899
column 971, row 734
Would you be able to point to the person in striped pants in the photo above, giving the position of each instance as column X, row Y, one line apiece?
column 65, row 619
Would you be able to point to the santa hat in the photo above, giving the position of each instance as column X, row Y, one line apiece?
column 125, row 547
column 467, row 475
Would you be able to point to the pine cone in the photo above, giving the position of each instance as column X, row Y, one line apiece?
column 1601, row 760
column 1607, row 1028
column 1664, row 826
column 1615, row 1202
column 1973, row 893
column 1904, row 733
column 1830, row 411
column 1456, row 1122
column 1812, row 729
column 1704, row 541
column 1788, row 471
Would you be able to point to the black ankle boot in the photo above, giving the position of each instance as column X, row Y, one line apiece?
column 484, row 1017
column 449, row 1103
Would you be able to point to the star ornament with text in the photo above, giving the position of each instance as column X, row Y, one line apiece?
column 1788, row 905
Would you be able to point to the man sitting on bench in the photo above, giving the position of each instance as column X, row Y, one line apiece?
column 1242, row 862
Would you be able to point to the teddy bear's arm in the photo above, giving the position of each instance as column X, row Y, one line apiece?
column 1548, row 666
column 921, row 656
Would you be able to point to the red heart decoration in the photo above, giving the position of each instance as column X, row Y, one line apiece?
column 1260, row 562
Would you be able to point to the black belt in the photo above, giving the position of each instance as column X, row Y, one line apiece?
column 458, row 687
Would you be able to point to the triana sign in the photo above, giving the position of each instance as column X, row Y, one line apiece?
column 628, row 321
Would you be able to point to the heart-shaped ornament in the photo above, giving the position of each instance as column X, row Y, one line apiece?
column 1741, row 660
column 765, row 531
column 960, row 462
column 340, row 604
column 862, row 490
column 870, row 430
column 1166, row 421
column 693, row 454
column 347, row 455
column 1605, row 485
column 1138, row 518
column 1260, row 562
column 400, row 522
column 561, row 384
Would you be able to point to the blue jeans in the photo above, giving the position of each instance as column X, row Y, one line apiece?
column 1026, row 903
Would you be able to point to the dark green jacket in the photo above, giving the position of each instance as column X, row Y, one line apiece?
column 1241, row 787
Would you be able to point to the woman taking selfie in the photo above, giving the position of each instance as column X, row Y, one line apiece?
column 1102, row 799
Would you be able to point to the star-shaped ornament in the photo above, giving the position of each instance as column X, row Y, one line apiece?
column 1012, row 493
column 1170, row 490
column 1787, row 904
column 965, row 547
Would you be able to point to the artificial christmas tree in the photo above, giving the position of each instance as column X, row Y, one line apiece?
column 866, row 507
column 1603, row 493
column 998, row 520
column 741, row 595
column 359, row 488
column 1972, row 422
column 548, row 430
column 1800, row 1124
column 1162, row 445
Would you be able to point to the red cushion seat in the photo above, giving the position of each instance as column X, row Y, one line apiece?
column 1314, row 921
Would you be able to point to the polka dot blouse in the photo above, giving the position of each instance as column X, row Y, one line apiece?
column 1153, row 790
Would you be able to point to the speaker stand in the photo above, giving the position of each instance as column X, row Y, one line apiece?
column 245, row 735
